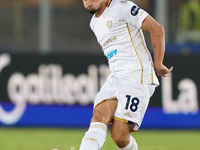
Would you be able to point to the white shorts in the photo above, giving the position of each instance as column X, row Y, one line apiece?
column 133, row 98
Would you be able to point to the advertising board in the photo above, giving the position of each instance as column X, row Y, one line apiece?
column 58, row 91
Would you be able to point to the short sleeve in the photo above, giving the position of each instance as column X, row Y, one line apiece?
column 132, row 14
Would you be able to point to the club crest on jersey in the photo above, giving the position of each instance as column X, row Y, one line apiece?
column 134, row 10
column 109, row 24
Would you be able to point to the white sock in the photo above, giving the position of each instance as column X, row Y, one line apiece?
column 131, row 146
column 95, row 137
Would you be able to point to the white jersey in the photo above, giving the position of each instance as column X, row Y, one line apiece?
column 122, row 41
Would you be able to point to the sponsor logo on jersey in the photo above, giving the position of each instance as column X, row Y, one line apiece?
column 134, row 10
column 109, row 41
column 111, row 54
column 109, row 24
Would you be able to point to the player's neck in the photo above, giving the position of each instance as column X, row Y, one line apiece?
column 101, row 9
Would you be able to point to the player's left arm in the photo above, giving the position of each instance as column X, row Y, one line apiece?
column 158, row 42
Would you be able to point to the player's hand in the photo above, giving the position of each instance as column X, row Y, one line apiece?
column 163, row 71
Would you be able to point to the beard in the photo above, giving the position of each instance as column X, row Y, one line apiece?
column 95, row 10
column 92, row 12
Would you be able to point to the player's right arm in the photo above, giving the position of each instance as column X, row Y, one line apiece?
column 158, row 42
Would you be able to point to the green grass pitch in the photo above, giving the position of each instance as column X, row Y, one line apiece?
column 63, row 139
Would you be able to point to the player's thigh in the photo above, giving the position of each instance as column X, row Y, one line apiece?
column 104, row 112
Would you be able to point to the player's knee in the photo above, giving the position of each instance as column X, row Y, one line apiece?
column 120, row 138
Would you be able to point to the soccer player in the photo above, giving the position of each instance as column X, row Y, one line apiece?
column 124, row 97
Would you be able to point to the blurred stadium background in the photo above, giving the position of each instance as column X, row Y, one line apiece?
column 51, row 68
